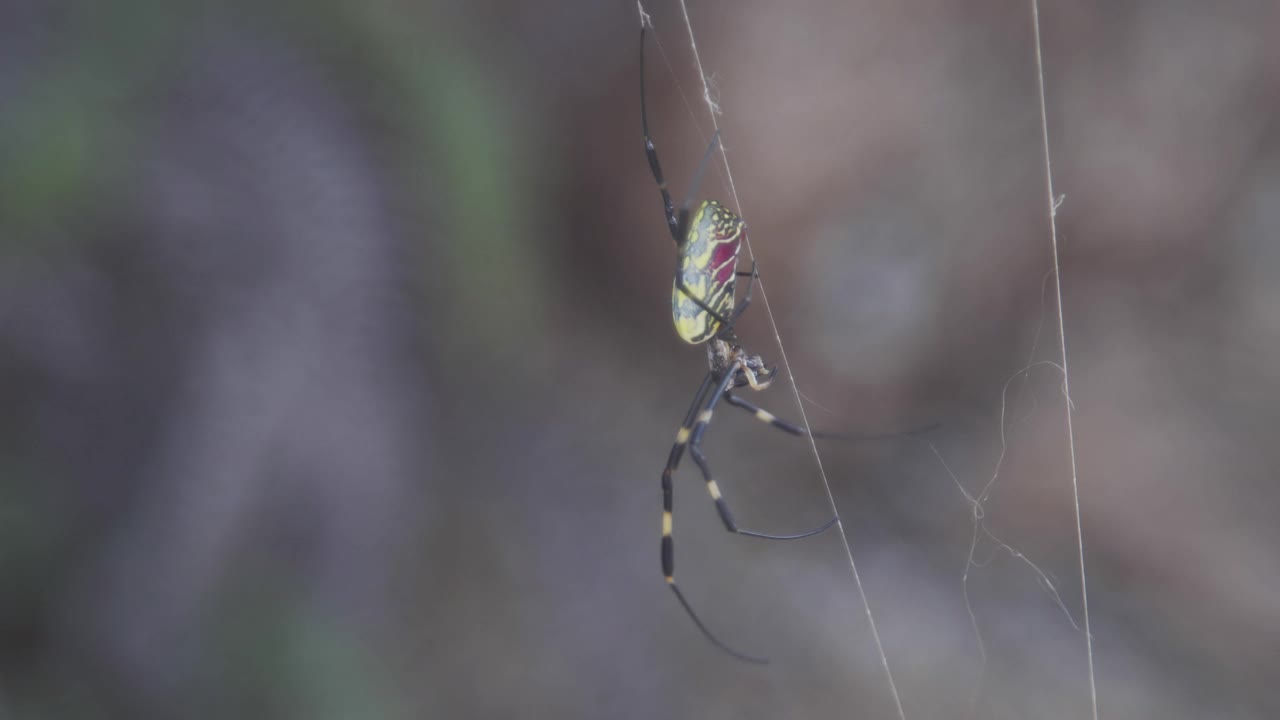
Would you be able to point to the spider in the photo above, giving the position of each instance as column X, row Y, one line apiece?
column 702, row 307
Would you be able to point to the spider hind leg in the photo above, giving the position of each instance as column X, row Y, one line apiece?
column 714, row 386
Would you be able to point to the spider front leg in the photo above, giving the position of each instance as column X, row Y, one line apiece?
column 651, row 151
column 677, row 224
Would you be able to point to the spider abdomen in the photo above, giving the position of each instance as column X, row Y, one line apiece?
column 707, row 262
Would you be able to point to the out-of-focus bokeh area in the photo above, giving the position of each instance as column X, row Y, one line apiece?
column 338, row 371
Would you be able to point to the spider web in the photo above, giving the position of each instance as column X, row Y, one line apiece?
column 976, row 502
column 1062, row 336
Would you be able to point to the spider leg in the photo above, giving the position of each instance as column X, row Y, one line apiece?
column 668, row 549
column 678, row 225
column 765, row 416
column 722, row 507
column 652, row 153
column 711, row 636
column 790, row 427
column 682, row 223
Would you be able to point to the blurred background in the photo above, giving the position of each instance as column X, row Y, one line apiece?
column 338, row 370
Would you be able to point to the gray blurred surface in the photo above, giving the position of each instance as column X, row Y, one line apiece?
column 338, row 371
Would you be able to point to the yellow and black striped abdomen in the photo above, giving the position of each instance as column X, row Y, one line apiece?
column 708, row 264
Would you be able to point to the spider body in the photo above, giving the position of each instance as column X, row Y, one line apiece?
column 706, row 265
column 704, row 310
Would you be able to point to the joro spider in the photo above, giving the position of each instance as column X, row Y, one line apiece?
column 702, row 306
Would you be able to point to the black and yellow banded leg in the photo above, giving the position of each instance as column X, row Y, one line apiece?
column 668, row 546
column 689, row 436
column 668, row 490
column 677, row 224
column 789, row 427
column 695, row 449
column 767, row 417
column 651, row 152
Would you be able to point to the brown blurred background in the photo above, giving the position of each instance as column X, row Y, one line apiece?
column 338, row 372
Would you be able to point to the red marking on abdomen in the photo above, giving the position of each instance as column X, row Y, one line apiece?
column 722, row 260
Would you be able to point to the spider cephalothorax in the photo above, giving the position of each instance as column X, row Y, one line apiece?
column 727, row 356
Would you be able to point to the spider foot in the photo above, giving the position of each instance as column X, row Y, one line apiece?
column 809, row 533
